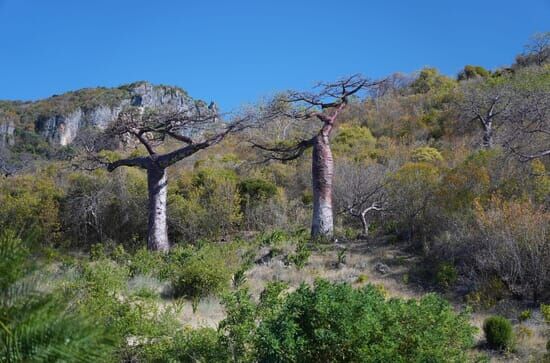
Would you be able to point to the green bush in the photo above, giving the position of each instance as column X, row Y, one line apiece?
column 30, row 206
column 446, row 275
column 37, row 326
column 426, row 154
column 545, row 311
column 101, row 291
column 333, row 322
column 524, row 315
column 255, row 189
column 498, row 332
column 13, row 258
column 300, row 257
column 199, row 272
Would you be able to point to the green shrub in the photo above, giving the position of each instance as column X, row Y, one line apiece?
column 37, row 326
column 300, row 257
column 30, row 206
column 148, row 263
column 255, row 189
column 545, row 311
column 200, row 272
column 498, row 332
column 426, row 154
column 446, row 275
column 209, row 195
column 524, row 315
column 333, row 322
column 13, row 258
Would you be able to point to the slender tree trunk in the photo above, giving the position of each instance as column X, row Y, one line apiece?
column 322, row 170
column 157, row 233
column 365, row 223
column 488, row 135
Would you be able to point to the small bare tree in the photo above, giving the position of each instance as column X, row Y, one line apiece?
column 528, row 124
column 487, row 102
column 360, row 191
column 154, row 128
column 324, row 105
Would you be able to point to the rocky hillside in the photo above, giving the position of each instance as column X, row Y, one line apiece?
column 59, row 118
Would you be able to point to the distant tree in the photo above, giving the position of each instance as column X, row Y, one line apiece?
column 537, row 51
column 429, row 79
column 470, row 72
column 485, row 101
column 154, row 128
column 528, row 123
column 325, row 105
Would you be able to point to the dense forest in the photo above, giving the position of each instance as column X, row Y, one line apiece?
column 403, row 219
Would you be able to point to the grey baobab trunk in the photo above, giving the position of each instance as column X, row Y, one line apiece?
column 322, row 170
column 157, row 232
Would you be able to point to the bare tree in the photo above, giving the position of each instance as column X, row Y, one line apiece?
column 324, row 105
column 528, row 124
column 537, row 51
column 153, row 128
column 360, row 191
column 486, row 102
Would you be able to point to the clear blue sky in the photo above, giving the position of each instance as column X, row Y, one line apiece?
column 234, row 52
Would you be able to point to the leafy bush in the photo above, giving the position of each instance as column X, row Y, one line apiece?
column 42, row 327
column 333, row 322
column 498, row 332
column 13, row 258
column 199, row 272
column 355, row 140
column 545, row 311
column 300, row 256
column 208, row 195
column 30, row 206
column 426, row 154
column 524, row 315
column 188, row 346
column 255, row 189
column 446, row 275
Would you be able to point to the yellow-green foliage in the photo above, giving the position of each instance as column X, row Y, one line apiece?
column 208, row 195
column 354, row 141
column 30, row 206
column 426, row 154
column 541, row 181
column 430, row 80
column 412, row 188
column 467, row 181
column 545, row 310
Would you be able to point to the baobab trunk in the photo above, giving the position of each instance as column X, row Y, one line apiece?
column 322, row 170
column 157, row 233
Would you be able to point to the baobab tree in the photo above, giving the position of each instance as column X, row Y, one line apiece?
column 324, row 105
column 153, row 128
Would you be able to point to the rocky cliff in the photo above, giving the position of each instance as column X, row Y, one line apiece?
column 59, row 118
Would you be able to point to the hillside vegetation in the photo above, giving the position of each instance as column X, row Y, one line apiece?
column 440, row 248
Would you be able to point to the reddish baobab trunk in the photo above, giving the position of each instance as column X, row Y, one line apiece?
column 322, row 170
column 157, row 233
